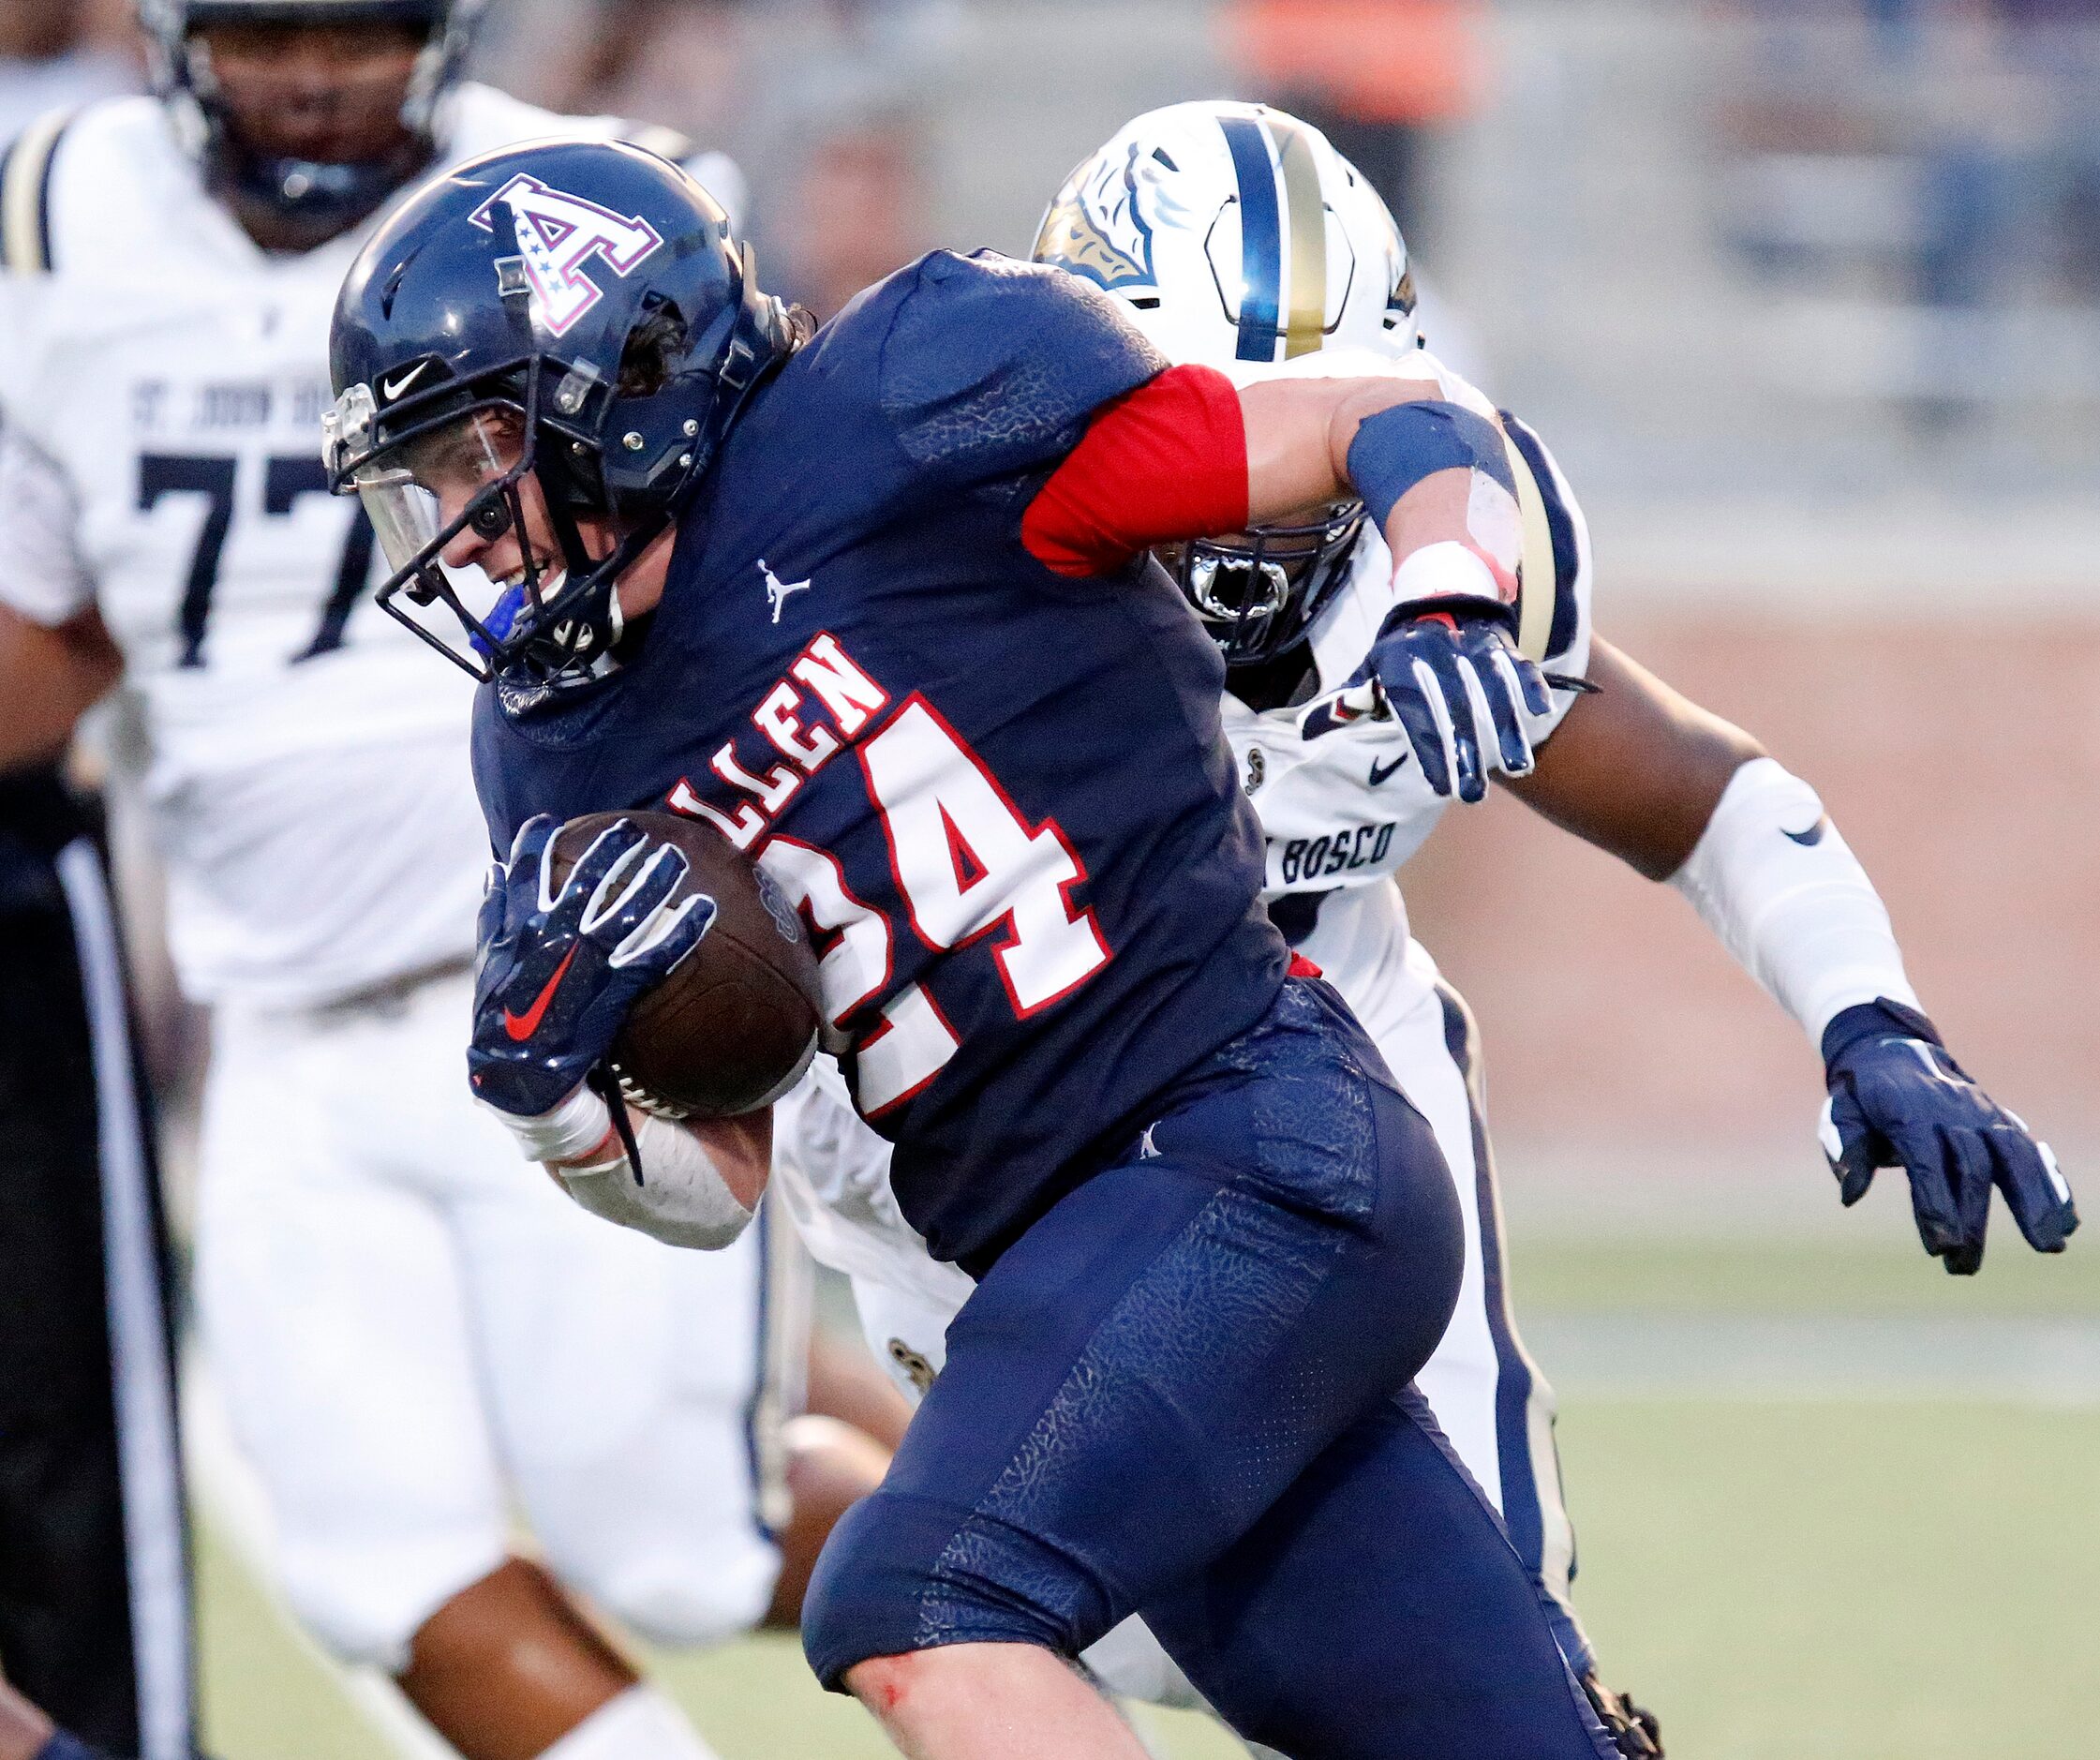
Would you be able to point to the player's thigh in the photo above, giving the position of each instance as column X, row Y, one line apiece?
column 1146, row 1368
column 336, row 1324
column 1376, row 1610
column 637, row 1389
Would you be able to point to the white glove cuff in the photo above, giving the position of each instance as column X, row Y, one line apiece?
column 570, row 1131
column 681, row 1199
column 1784, row 894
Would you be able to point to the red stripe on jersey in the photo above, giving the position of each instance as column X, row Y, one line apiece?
column 1167, row 461
column 1303, row 967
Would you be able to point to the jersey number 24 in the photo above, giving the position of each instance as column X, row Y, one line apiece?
column 968, row 867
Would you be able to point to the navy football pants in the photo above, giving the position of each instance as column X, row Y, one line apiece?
column 1180, row 1393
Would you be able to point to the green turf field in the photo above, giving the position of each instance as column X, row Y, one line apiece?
column 1871, row 1578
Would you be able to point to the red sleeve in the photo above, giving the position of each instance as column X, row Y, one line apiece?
column 1166, row 461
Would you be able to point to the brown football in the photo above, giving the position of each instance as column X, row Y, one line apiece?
column 736, row 1025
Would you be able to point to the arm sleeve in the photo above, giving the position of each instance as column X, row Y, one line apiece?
column 1165, row 462
column 1784, row 894
column 42, row 575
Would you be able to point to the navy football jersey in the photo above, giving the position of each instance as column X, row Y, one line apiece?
column 1001, row 797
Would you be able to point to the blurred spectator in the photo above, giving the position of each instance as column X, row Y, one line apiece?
column 56, row 52
column 1936, row 162
column 1376, row 75
column 820, row 101
column 683, row 63
column 857, row 211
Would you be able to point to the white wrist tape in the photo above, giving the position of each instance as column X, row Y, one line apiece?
column 680, row 1199
column 1775, row 882
column 1447, row 567
column 568, row 1132
column 1495, row 522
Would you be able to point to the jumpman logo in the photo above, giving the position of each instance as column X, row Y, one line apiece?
column 777, row 590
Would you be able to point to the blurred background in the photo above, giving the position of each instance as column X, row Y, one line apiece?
column 1806, row 295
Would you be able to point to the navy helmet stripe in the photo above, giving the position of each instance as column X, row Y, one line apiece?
column 1261, row 237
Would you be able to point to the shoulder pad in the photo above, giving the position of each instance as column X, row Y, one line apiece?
column 992, row 366
column 25, row 194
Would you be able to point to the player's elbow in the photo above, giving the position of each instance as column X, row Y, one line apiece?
column 668, row 1597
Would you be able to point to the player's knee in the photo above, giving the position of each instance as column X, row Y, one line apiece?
column 671, row 1597
column 358, row 1618
column 898, row 1574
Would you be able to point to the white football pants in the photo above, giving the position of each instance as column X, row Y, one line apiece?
column 417, row 1334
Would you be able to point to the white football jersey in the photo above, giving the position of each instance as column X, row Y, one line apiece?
column 162, row 386
column 832, row 1171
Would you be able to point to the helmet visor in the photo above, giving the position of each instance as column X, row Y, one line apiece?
column 419, row 494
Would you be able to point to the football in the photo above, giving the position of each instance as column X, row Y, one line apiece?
column 734, row 1028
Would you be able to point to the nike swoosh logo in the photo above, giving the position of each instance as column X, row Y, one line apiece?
column 1380, row 771
column 392, row 389
column 523, row 1026
column 1811, row 837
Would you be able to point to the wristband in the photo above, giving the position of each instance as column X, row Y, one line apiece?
column 1453, row 570
column 567, row 1132
column 678, row 1195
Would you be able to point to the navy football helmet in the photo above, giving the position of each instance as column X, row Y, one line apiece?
column 322, row 198
column 585, row 303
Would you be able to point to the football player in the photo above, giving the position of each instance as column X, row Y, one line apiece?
column 1152, row 219
column 981, row 746
column 411, row 1342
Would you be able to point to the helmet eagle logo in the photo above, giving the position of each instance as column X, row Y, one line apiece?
column 556, row 234
column 1080, row 233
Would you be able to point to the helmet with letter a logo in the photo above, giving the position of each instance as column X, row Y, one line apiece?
column 1239, row 239
column 586, row 303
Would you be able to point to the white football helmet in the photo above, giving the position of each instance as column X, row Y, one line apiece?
column 1239, row 239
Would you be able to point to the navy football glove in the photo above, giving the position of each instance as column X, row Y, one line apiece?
column 1441, row 665
column 1898, row 1099
column 558, row 971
